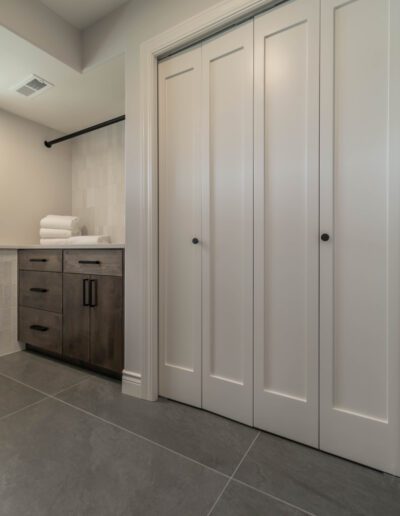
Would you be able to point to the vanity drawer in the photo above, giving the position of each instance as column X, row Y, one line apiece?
column 41, row 329
column 101, row 262
column 42, row 290
column 49, row 260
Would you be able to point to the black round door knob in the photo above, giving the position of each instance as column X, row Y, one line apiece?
column 325, row 237
column 195, row 240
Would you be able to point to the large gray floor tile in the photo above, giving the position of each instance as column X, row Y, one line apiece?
column 60, row 461
column 14, row 396
column 40, row 372
column 239, row 500
column 207, row 438
column 318, row 482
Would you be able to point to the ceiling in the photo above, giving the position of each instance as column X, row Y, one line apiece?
column 82, row 13
column 77, row 100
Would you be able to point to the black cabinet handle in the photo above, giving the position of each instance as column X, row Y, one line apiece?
column 41, row 260
column 93, row 292
column 86, row 293
column 90, row 262
column 38, row 327
column 195, row 241
column 40, row 290
column 325, row 237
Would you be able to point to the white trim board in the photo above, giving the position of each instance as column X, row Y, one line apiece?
column 132, row 383
column 201, row 26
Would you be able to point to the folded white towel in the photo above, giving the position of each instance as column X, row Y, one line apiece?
column 60, row 222
column 89, row 240
column 57, row 233
column 54, row 241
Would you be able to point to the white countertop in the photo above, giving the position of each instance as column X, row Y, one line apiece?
column 4, row 247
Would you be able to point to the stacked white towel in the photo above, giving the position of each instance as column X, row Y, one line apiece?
column 56, row 229
column 61, row 222
column 66, row 230
column 57, row 233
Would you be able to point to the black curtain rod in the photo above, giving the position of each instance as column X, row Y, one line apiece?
column 84, row 131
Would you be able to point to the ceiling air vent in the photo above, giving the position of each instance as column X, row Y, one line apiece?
column 32, row 85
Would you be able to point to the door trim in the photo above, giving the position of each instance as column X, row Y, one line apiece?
column 199, row 27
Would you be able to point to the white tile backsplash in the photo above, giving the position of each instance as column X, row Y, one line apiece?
column 98, row 182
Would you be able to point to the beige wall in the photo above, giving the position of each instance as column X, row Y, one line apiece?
column 34, row 180
column 98, row 182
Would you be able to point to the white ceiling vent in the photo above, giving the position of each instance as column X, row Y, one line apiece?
column 32, row 86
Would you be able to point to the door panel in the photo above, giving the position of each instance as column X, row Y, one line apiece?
column 76, row 317
column 360, row 124
column 286, row 221
column 106, row 322
column 179, row 223
column 227, row 246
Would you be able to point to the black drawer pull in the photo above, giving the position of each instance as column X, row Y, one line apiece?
column 90, row 262
column 38, row 327
column 93, row 293
column 41, row 260
column 40, row 290
column 86, row 293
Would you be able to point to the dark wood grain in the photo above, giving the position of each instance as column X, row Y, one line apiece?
column 110, row 261
column 107, row 324
column 76, row 327
column 49, row 340
column 53, row 260
column 51, row 282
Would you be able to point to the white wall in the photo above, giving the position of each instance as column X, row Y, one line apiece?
column 125, row 30
column 34, row 180
column 39, row 25
column 98, row 182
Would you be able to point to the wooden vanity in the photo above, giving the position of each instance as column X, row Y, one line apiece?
column 71, row 305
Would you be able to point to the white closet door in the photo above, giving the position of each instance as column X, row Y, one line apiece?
column 360, row 209
column 179, row 223
column 227, row 246
column 286, row 228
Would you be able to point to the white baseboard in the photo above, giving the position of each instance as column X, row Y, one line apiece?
column 132, row 383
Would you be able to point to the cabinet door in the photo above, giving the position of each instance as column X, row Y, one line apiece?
column 360, row 200
column 179, row 223
column 106, row 322
column 286, row 229
column 76, row 317
column 227, row 246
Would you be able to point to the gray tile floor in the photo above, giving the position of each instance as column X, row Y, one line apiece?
column 72, row 444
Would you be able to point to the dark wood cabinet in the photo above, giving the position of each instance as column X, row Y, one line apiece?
column 81, row 306
column 93, row 320
column 41, row 329
column 76, row 327
column 106, row 322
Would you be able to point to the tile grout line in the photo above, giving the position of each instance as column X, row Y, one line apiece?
column 71, row 386
column 42, row 392
column 281, row 500
column 23, row 408
column 233, row 474
column 25, row 384
column 131, row 432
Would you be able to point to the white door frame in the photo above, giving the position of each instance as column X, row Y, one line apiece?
column 208, row 22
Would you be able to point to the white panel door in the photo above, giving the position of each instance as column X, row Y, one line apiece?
column 227, row 245
column 286, row 231
column 179, row 223
column 360, row 200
